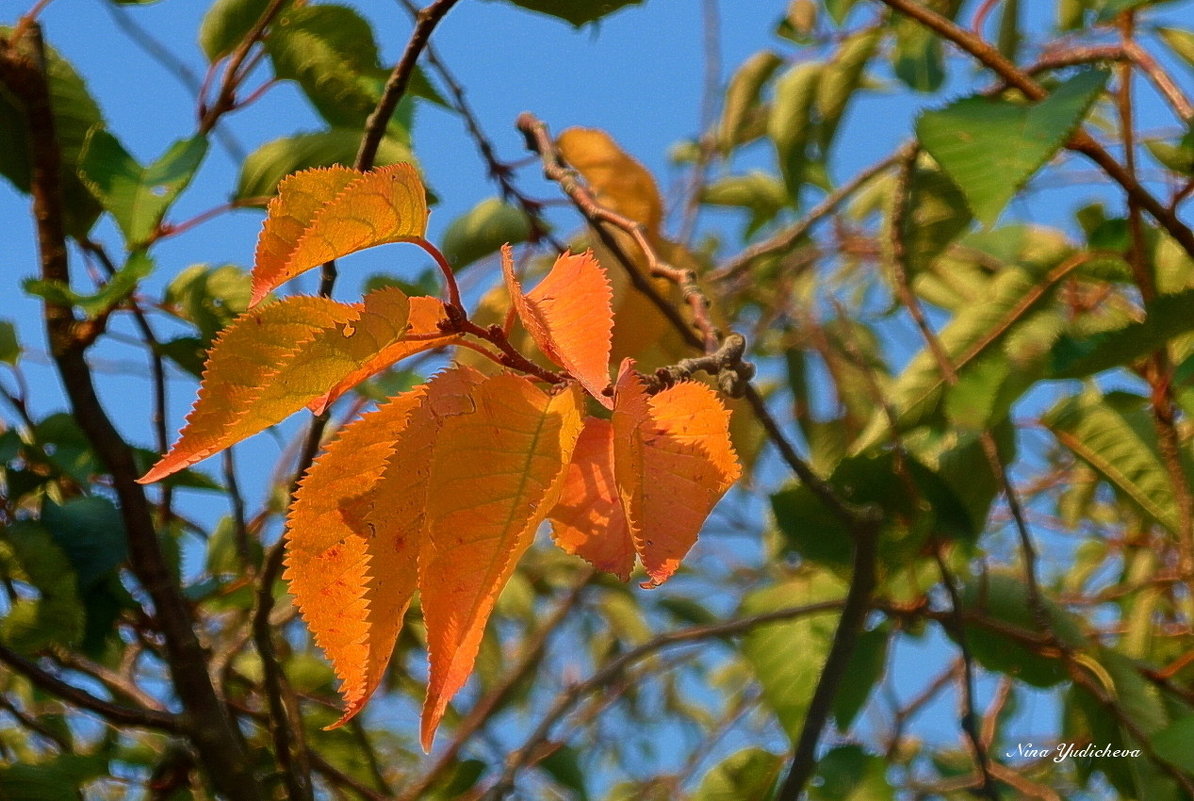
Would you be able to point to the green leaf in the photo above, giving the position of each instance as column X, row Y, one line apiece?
column 1166, row 317
column 1003, row 598
column 482, row 230
column 1180, row 41
column 742, row 97
column 917, row 58
column 137, row 197
column 226, row 24
column 1140, row 703
column 849, row 773
column 563, row 765
column 838, row 9
column 910, row 517
column 866, row 668
column 273, row 161
column 790, row 123
column 1114, row 434
column 10, row 347
column 208, row 297
column 120, row 285
column 936, row 215
column 57, row 779
column 974, row 331
column 760, row 193
column 28, row 553
column 748, row 775
column 992, row 147
column 577, row 12
column 75, row 114
column 787, row 656
column 1175, row 743
column 330, row 52
column 90, row 531
column 842, row 77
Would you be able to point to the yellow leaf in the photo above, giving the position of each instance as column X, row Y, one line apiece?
column 672, row 463
column 274, row 360
column 620, row 182
column 290, row 212
column 497, row 470
column 568, row 314
column 588, row 521
column 385, row 205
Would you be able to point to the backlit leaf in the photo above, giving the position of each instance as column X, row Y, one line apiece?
column 498, row 469
column 482, row 231
column 742, row 96
column 385, row 205
column 789, row 126
column 672, row 463
column 569, row 316
column 274, row 360
column 588, row 521
column 356, row 528
column 422, row 333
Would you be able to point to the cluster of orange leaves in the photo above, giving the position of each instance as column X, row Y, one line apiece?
column 442, row 488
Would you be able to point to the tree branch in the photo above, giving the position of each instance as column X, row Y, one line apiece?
column 1079, row 142
column 212, row 731
column 115, row 714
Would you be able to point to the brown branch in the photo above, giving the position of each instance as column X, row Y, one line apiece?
column 1079, row 142
column 615, row 667
column 113, row 713
column 1161, row 79
column 399, row 80
column 212, row 731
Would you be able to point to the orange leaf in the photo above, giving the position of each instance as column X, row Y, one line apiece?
column 672, row 463
column 387, row 204
column 588, row 520
column 332, row 564
column 423, row 333
column 357, row 526
column 569, row 316
column 496, row 472
column 274, row 360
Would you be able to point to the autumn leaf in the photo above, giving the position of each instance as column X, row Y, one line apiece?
column 622, row 184
column 365, row 209
column 330, row 564
column 672, row 463
column 569, row 316
column 588, row 521
column 423, row 333
column 275, row 359
column 496, row 472
column 357, row 526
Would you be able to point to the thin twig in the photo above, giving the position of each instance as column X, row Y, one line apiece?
column 399, row 80
column 786, row 239
column 531, row 653
column 615, row 667
column 115, row 714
